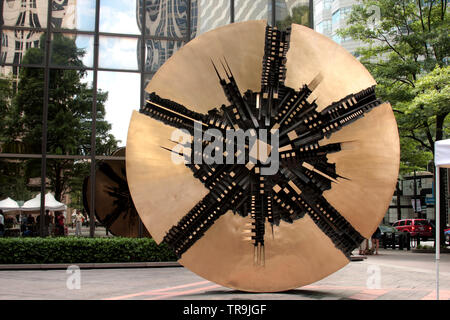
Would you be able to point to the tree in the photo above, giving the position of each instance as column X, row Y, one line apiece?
column 410, row 40
column 69, row 113
column 407, row 53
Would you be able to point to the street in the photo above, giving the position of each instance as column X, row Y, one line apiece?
column 391, row 275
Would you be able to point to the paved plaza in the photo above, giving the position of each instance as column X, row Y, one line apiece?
column 391, row 275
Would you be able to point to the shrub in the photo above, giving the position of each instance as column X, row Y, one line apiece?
column 82, row 250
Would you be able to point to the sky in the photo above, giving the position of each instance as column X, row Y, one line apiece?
column 118, row 53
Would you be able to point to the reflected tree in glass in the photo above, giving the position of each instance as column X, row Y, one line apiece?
column 69, row 109
column 300, row 15
column 15, row 177
column 6, row 93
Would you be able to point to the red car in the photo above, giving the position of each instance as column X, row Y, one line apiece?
column 415, row 227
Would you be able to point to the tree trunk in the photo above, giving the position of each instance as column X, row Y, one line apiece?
column 58, row 183
column 399, row 210
column 440, row 118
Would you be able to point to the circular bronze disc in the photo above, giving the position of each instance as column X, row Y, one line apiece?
column 114, row 206
column 297, row 253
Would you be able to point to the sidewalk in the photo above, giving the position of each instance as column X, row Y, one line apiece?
column 391, row 275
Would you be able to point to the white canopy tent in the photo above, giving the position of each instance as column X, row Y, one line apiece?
column 8, row 205
column 50, row 204
column 441, row 160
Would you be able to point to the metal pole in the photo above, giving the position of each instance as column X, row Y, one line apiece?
column 188, row 36
column 48, row 37
column 311, row 14
column 399, row 210
column 94, row 120
column 231, row 11
column 142, row 91
column 438, row 233
column 416, row 210
column 274, row 17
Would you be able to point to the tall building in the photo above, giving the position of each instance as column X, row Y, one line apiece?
column 329, row 16
column 169, row 19
column 165, row 19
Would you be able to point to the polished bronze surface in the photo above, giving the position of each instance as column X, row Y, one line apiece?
column 113, row 207
column 296, row 254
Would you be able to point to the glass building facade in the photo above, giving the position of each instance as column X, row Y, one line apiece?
column 331, row 15
column 72, row 72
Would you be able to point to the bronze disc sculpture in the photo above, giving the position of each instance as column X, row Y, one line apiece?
column 114, row 206
column 239, row 223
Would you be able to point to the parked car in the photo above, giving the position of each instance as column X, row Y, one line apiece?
column 415, row 227
column 391, row 237
column 447, row 235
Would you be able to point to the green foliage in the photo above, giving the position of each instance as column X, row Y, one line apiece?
column 431, row 95
column 407, row 53
column 412, row 158
column 82, row 250
column 5, row 101
column 13, row 182
column 69, row 105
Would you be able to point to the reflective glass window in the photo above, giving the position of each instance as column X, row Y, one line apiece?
column 158, row 51
column 292, row 12
column 20, row 180
column 73, row 14
column 16, row 44
column 25, row 13
column 253, row 10
column 118, row 53
column 69, row 124
column 21, row 122
column 210, row 15
column 114, row 114
column 81, row 50
column 167, row 18
column 118, row 16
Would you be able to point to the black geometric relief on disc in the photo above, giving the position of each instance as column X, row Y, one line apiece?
column 304, row 171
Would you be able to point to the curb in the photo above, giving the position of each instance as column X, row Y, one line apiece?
column 357, row 258
column 430, row 250
column 64, row 266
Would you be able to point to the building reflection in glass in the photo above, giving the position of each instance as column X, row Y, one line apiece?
column 30, row 14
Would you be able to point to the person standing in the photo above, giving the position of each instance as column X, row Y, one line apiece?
column 73, row 217
column 376, row 240
column 60, row 224
column 78, row 224
column 2, row 223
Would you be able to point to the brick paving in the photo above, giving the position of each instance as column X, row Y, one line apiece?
column 392, row 275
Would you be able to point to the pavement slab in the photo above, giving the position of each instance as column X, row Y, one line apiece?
column 391, row 275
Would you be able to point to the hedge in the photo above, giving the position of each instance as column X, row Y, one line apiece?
column 82, row 250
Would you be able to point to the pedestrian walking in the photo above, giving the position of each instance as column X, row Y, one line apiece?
column 78, row 223
column 73, row 217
